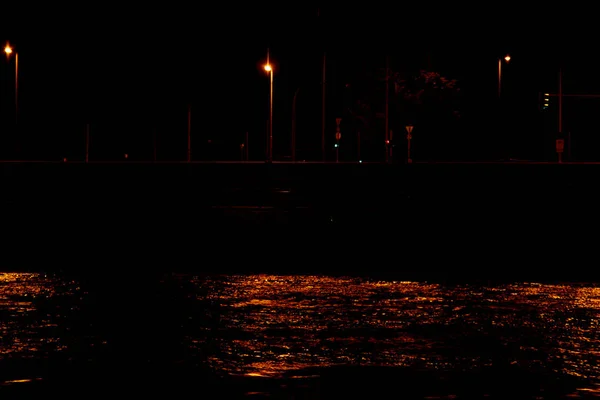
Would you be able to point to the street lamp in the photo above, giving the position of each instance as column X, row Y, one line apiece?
column 506, row 59
column 269, row 69
column 8, row 51
column 501, row 104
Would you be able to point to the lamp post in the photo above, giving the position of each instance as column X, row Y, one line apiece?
column 8, row 51
column 269, row 68
column 501, row 105
column 506, row 59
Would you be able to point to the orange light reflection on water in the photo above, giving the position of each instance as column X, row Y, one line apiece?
column 266, row 325
column 277, row 324
column 27, row 331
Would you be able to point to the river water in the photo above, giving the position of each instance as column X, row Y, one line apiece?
column 298, row 336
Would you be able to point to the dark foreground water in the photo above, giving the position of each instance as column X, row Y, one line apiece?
column 295, row 337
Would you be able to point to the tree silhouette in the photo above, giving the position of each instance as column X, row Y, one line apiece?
column 413, row 99
column 426, row 97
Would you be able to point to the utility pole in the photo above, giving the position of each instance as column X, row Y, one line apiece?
column 358, row 145
column 269, row 69
column 560, row 96
column 271, row 115
column 16, row 88
column 387, row 108
column 247, row 151
column 87, row 143
column 154, row 145
column 499, row 77
column 323, row 106
column 560, row 100
column 324, row 73
column 189, row 134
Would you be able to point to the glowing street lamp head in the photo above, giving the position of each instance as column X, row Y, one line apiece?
column 8, row 50
column 507, row 58
column 268, row 67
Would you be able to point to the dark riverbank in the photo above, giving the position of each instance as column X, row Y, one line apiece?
column 448, row 218
column 155, row 188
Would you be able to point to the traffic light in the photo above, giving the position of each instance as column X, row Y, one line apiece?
column 544, row 101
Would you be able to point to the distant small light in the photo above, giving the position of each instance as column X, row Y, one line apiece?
column 268, row 67
column 65, row 159
column 360, row 161
column 507, row 58
column 126, row 156
column 8, row 50
column 336, row 145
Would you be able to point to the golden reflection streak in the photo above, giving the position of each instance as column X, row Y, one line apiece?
column 293, row 322
column 27, row 332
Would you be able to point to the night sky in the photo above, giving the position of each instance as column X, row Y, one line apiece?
column 130, row 72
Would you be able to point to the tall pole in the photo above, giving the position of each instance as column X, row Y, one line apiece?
column 560, row 99
column 247, row 151
column 154, row 144
column 499, row 76
column 189, row 134
column 271, row 116
column 269, row 69
column 387, row 107
column 16, row 87
column 87, row 143
column 560, row 102
column 323, row 106
column 294, row 125
column 501, row 125
column 358, row 145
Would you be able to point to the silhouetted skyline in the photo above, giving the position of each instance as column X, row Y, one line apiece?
column 128, row 76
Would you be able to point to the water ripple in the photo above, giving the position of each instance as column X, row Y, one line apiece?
column 295, row 325
column 267, row 325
